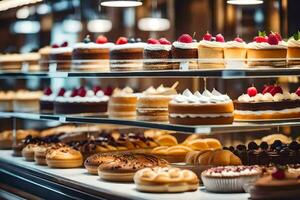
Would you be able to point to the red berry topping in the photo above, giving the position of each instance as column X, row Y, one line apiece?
column 164, row 41
column 260, row 39
column 276, row 89
column 272, row 39
column 238, row 39
column 108, row 91
column 278, row 36
column 96, row 89
column 252, row 91
column 65, row 44
column 55, row 46
column 153, row 41
column 82, row 92
column 220, row 38
column 185, row 38
column 74, row 93
column 61, row 92
column 298, row 91
column 122, row 40
column 101, row 39
column 267, row 89
column 47, row 91
column 279, row 174
column 207, row 36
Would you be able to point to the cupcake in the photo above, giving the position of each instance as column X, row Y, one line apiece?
column 235, row 52
column 293, row 52
column 157, row 53
column 88, row 55
column 266, row 51
column 211, row 51
column 185, row 48
column 229, row 179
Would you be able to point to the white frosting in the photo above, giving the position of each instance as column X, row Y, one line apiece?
column 197, row 98
column 249, row 112
column 158, row 47
column 173, row 115
column 140, row 45
column 61, row 50
column 212, row 44
column 90, row 97
column 267, row 97
column 265, row 45
column 231, row 173
column 182, row 45
column 93, row 45
column 48, row 97
column 235, row 44
column 293, row 43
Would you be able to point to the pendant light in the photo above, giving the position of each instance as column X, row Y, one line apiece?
column 121, row 3
column 245, row 2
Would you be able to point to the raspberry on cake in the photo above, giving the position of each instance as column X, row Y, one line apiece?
column 201, row 109
column 61, row 56
column 267, row 51
column 127, row 55
column 211, row 48
column 158, row 51
column 271, row 104
column 88, row 55
column 47, row 100
column 293, row 52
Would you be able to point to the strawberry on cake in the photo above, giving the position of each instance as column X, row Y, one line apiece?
column 271, row 104
column 157, row 53
column 267, row 51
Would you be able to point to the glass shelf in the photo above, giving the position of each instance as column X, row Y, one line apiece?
column 204, row 129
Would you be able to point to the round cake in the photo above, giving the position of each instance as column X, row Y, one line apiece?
column 271, row 104
column 201, row 109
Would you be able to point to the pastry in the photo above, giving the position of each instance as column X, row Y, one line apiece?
column 64, row 157
column 173, row 154
column 31, row 61
column 127, row 55
column 81, row 101
column 235, row 53
column 271, row 104
column 60, row 57
column 27, row 101
column 125, row 165
column 152, row 105
column 293, row 52
column 122, row 104
column 166, row 140
column 47, row 100
column 201, row 109
column 270, row 139
column 28, row 152
column 40, row 152
column 44, row 59
column 229, row 179
column 163, row 180
column 6, row 137
column 6, row 101
column 211, row 51
column 93, row 162
column 266, row 51
column 91, row 56
column 185, row 48
column 11, row 62
column 156, row 55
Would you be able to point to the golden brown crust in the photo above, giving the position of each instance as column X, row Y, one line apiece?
column 180, row 108
column 93, row 162
column 266, row 116
column 235, row 53
column 64, row 157
column 154, row 101
column 266, row 53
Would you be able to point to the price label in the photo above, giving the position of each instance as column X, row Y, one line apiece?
column 184, row 66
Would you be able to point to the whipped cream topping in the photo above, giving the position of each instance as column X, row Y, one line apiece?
column 161, row 90
column 90, row 97
column 139, row 45
column 182, row 45
column 125, row 92
column 232, row 171
column 158, row 47
column 7, row 95
column 206, row 97
column 235, row 44
column 50, row 97
column 212, row 44
column 267, row 97
column 93, row 45
column 61, row 50
column 293, row 43
column 265, row 45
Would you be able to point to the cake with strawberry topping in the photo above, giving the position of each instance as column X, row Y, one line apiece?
column 236, row 50
column 157, row 53
column 127, row 55
column 267, row 51
column 201, row 109
column 60, row 56
column 88, row 55
column 47, row 100
column 82, row 101
column 185, row 48
column 293, row 52
column 211, row 51
column 271, row 104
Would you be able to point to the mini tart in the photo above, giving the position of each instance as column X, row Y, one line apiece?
column 28, row 152
column 165, row 180
column 229, row 179
column 125, row 165
column 64, row 157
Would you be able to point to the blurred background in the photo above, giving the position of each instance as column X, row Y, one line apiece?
column 27, row 25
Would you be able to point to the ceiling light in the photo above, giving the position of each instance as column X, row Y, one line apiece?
column 43, row 9
column 23, row 13
column 72, row 26
column 153, row 24
column 26, row 27
column 121, row 3
column 99, row 26
column 245, row 2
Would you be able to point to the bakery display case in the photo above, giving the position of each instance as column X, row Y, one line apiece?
column 157, row 115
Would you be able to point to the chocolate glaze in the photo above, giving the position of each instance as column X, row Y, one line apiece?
column 257, row 106
column 184, row 53
column 46, row 106
column 157, row 54
column 80, row 107
column 126, row 54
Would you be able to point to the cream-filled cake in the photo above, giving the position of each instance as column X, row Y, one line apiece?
column 11, row 62
column 44, row 59
column 271, row 104
column 235, row 53
column 61, row 57
column 27, row 101
column 201, row 109
column 47, row 100
column 293, row 52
